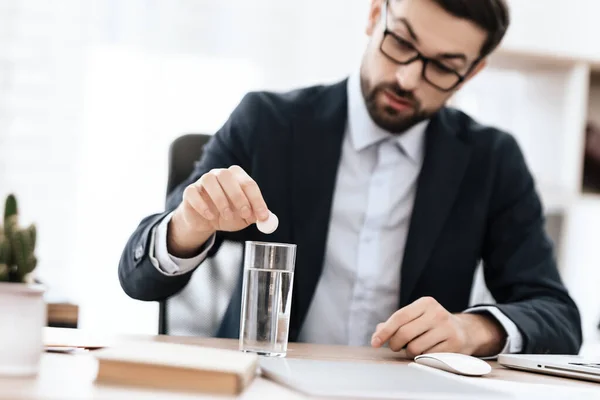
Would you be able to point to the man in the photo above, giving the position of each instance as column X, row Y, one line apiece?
column 391, row 197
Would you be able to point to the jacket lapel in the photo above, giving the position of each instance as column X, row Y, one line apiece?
column 317, row 133
column 446, row 160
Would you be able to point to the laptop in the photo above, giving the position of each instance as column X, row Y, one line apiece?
column 362, row 380
column 560, row 365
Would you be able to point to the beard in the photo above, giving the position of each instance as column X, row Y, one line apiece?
column 387, row 117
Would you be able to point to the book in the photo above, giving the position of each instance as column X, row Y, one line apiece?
column 177, row 367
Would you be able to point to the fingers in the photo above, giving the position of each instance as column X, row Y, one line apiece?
column 211, row 185
column 444, row 346
column 427, row 341
column 234, row 192
column 227, row 193
column 398, row 319
column 252, row 192
column 407, row 334
column 193, row 199
column 424, row 326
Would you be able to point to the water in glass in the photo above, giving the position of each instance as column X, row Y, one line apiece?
column 267, row 295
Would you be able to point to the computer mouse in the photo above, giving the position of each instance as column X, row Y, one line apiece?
column 454, row 362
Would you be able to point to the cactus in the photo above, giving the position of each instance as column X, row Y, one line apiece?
column 17, row 245
column 11, row 209
column 4, row 257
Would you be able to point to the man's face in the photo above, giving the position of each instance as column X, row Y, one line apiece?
column 397, row 96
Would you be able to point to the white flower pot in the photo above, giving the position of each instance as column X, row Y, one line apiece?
column 22, row 320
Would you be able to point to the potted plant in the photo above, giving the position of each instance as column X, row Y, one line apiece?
column 22, row 306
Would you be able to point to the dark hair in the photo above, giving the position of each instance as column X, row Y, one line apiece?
column 490, row 15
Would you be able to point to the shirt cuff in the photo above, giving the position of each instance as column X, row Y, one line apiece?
column 164, row 262
column 514, row 339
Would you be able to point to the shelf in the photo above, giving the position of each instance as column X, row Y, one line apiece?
column 591, row 161
column 591, row 198
column 555, row 200
column 543, row 105
column 594, row 98
column 534, row 28
column 544, row 58
column 540, row 57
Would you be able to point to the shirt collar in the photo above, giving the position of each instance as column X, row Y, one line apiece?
column 364, row 132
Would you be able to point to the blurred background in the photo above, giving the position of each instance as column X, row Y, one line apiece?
column 92, row 93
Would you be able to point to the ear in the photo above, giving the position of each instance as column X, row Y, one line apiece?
column 480, row 65
column 374, row 16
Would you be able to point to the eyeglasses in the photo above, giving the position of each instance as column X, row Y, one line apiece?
column 403, row 52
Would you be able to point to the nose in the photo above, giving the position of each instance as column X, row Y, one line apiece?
column 409, row 75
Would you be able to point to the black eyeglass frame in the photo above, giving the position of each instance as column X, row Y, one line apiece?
column 418, row 56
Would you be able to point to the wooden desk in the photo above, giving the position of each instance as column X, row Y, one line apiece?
column 71, row 376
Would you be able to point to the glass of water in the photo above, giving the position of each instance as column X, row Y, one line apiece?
column 267, row 297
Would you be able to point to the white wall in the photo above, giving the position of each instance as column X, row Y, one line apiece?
column 136, row 104
column 40, row 116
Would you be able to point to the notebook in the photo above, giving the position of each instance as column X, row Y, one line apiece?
column 368, row 380
column 177, row 367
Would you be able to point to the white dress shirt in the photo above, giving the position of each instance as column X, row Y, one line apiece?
column 374, row 194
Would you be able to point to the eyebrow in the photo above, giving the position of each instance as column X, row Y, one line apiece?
column 447, row 56
column 411, row 31
column 453, row 56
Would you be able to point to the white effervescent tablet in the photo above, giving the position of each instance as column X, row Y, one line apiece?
column 269, row 225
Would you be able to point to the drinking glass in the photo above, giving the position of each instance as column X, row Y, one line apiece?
column 267, row 297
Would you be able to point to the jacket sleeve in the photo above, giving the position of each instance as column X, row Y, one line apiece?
column 519, row 265
column 138, row 277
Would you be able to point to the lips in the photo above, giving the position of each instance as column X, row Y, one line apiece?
column 396, row 102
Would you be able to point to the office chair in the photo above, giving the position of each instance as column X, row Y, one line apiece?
column 198, row 309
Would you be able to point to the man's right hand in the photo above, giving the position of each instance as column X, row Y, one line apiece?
column 221, row 200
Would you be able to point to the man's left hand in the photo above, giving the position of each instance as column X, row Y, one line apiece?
column 426, row 327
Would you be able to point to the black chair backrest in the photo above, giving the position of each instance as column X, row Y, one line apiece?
column 184, row 152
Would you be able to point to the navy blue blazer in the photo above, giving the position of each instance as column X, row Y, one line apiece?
column 476, row 201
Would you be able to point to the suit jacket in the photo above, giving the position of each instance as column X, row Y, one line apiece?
column 476, row 201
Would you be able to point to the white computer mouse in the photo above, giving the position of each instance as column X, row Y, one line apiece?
column 457, row 363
